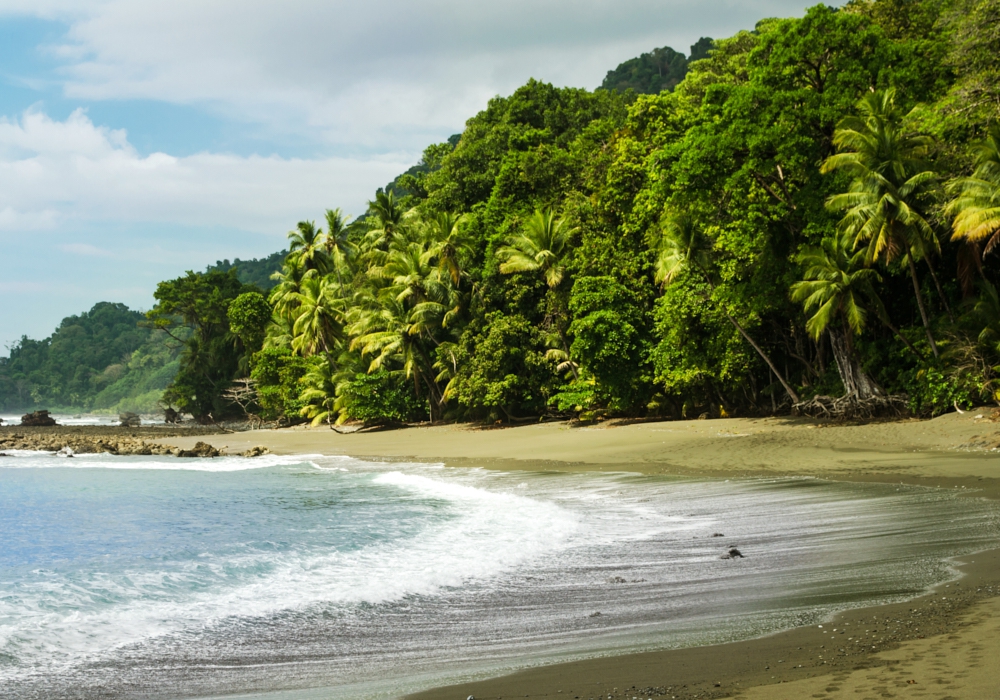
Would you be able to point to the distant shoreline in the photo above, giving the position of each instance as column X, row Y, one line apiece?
column 954, row 451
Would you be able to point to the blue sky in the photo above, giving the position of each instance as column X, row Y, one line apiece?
column 142, row 139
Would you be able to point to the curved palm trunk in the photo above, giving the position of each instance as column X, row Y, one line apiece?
column 853, row 376
column 572, row 365
column 777, row 373
column 944, row 301
column 920, row 303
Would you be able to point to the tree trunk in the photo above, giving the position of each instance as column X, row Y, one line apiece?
column 854, row 378
column 781, row 377
column 944, row 302
column 920, row 304
column 572, row 365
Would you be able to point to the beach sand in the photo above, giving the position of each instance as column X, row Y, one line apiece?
column 943, row 645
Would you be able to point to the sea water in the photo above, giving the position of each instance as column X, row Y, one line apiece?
column 302, row 577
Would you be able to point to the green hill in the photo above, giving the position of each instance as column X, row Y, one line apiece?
column 652, row 73
column 99, row 360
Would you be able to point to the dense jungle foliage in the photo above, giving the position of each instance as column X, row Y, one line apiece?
column 811, row 210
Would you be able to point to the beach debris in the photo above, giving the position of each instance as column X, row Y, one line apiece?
column 595, row 614
column 257, row 451
column 471, row 697
column 38, row 419
column 617, row 579
column 66, row 451
column 733, row 553
column 129, row 420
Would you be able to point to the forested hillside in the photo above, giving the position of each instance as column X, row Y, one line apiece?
column 656, row 71
column 101, row 359
column 257, row 271
column 810, row 211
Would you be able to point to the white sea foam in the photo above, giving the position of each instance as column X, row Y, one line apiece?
column 476, row 534
column 34, row 459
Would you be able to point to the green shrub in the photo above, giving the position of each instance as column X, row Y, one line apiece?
column 383, row 397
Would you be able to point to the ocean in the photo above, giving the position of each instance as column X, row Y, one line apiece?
column 308, row 577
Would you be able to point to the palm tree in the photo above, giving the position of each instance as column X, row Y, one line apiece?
column 283, row 295
column 834, row 282
column 881, row 206
column 683, row 248
column 540, row 247
column 306, row 244
column 976, row 206
column 336, row 241
column 320, row 394
column 318, row 325
column 388, row 218
column 448, row 242
column 390, row 334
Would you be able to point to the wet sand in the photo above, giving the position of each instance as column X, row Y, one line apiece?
column 942, row 645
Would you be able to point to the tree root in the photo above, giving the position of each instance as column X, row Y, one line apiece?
column 851, row 407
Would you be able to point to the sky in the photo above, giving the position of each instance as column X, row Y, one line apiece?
column 139, row 140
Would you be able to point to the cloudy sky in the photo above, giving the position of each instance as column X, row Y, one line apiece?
column 142, row 139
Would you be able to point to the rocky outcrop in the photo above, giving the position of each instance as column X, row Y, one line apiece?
column 129, row 420
column 38, row 419
column 200, row 449
column 81, row 444
column 256, row 451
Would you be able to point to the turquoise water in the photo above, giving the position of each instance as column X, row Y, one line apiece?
column 126, row 577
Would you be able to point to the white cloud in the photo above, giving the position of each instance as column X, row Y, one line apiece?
column 54, row 172
column 383, row 73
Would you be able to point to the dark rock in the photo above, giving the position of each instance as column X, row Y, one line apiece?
column 718, row 534
column 38, row 419
column 200, row 449
column 257, row 451
column 733, row 553
column 129, row 420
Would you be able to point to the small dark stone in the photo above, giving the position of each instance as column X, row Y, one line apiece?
column 733, row 553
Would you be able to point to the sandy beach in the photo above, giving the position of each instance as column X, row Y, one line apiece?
column 937, row 646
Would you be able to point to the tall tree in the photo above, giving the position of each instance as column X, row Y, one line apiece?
column 883, row 204
column 976, row 206
column 684, row 249
column 337, row 243
column 305, row 242
column 834, row 285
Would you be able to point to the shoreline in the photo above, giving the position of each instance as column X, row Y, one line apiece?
column 955, row 451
